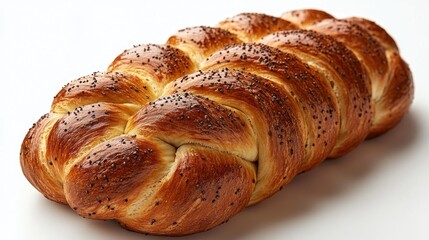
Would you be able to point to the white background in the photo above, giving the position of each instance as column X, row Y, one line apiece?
column 378, row 191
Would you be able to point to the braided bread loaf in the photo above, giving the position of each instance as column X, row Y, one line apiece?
column 175, row 139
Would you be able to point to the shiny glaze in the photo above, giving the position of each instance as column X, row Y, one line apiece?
column 175, row 139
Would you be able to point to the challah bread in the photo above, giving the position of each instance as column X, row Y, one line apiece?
column 177, row 138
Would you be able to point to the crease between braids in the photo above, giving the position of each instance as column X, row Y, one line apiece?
column 175, row 139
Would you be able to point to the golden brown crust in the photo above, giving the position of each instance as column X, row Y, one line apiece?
column 204, row 189
column 396, row 99
column 175, row 139
column 250, row 27
column 377, row 53
column 109, row 178
column 154, row 63
column 270, row 111
column 305, row 17
column 376, row 31
column 40, row 172
column 342, row 73
column 112, row 87
column 367, row 49
column 319, row 110
column 83, row 128
column 189, row 119
column 200, row 42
